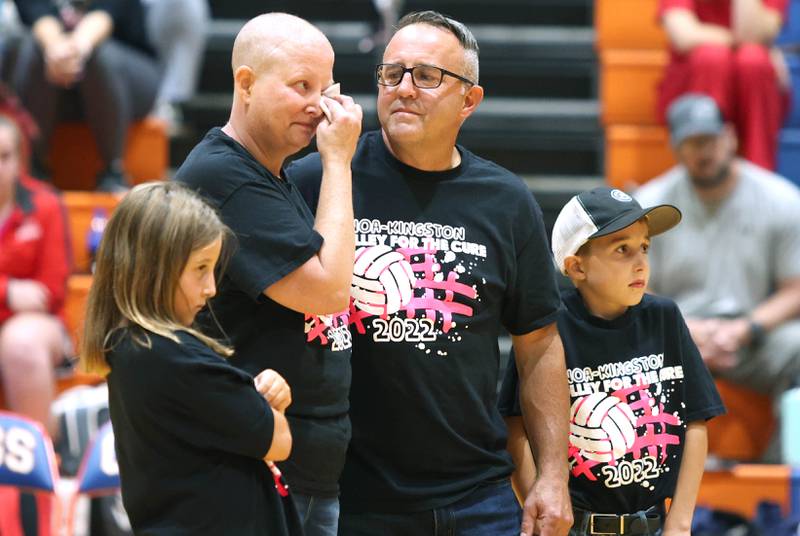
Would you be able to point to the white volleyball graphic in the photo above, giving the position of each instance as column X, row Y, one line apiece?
column 383, row 280
column 602, row 427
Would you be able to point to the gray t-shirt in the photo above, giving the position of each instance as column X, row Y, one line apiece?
column 727, row 258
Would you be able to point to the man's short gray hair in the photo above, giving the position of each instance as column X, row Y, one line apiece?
column 458, row 29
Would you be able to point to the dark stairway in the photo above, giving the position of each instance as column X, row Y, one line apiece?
column 538, row 69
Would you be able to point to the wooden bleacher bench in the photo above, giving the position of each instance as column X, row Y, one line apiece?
column 80, row 207
column 629, row 85
column 745, row 431
column 633, row 53
column 635, row 154
column 628, row 24
column 75, row 161
column 742, row 487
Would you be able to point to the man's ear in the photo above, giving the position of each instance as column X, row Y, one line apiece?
column 472, row 99
column 243, row 80
column 573, row 265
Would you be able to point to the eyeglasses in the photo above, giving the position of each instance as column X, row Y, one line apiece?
column 423, row 76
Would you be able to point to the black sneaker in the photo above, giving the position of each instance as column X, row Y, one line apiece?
column 113, row 182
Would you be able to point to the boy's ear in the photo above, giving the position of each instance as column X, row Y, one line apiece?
column 573, row 265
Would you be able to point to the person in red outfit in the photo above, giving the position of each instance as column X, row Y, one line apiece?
column 34, row 265
column 723, row 48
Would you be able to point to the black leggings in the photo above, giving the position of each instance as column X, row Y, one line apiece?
column 118, row 86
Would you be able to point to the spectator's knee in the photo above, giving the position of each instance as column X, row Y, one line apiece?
column 711, row 59
column 25, row 342
column 752, row 61
column 102, row 59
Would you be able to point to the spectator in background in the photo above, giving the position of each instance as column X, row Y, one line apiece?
column 723, row 48
column 177, row 29
column 88, row 56
column 733, row 265
column 34, row 267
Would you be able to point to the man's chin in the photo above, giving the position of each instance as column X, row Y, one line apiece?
column 403, row 131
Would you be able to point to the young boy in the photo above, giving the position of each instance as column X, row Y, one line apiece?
column 640, row 392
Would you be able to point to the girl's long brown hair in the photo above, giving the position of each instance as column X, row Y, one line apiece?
column 144, row 248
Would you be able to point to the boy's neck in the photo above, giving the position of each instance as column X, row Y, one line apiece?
column 600, row 307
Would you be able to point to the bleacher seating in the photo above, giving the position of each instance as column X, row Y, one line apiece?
column 788, row 160
column 75, row 161
column 633, row 54
column 541, row 119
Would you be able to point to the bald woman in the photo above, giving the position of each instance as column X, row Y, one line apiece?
column 283, row 302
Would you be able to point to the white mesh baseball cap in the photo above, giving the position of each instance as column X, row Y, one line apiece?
column 600, row 212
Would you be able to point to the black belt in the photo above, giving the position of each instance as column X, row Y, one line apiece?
column 599, row 524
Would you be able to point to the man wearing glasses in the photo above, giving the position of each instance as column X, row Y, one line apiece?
column 450, row 249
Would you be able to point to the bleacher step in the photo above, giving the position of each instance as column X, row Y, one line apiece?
column 534, row 61
column 545, row 136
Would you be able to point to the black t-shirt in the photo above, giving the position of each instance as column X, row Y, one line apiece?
column 444, row 261
column 190, row 433
column 275, row 232
column 128, row 17
column 635, row 382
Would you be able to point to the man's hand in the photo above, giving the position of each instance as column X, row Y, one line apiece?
column 27, row 296
column 547, row 510
column 337, row 138
column 274, row 389
column 732, row 334
column 714, row 349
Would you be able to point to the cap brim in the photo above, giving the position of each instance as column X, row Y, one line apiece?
column 695, row 130
column 660, row 218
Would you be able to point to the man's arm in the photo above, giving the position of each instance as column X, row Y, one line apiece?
column 686, row 32
column 780, row 307
column 545, row 408
column 679, row 518
column 322, row 284
column 524, row 468
column 753, row 22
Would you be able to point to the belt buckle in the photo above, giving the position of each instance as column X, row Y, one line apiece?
column 604, row 516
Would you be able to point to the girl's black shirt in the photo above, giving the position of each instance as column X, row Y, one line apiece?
column 190, row 433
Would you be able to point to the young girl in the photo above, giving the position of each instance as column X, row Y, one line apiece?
column 192, row 432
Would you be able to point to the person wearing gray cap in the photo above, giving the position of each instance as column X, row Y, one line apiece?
column 734, row 265
column 639, row 392
column 725, row 49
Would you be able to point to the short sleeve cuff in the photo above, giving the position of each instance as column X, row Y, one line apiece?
column 539, row 323
column 311, row 249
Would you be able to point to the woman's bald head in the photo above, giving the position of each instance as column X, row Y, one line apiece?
column 272, row 36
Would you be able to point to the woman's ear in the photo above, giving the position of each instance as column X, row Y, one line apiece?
column 243, row 80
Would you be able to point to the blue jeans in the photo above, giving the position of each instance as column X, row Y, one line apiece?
column 491, row 509
column 318, row 515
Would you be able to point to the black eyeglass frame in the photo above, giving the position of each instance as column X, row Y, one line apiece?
column 410, row 70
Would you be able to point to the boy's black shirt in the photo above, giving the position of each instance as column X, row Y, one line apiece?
column 190, row 435
column 275, row 232
column 635, row 382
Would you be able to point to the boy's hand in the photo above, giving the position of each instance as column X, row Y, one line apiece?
column 274, row 389
column 547, row 510
column 676, row 532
